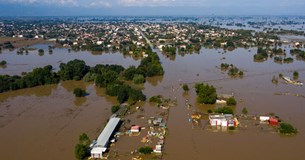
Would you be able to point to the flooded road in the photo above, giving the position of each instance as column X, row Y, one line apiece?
column 46, row 121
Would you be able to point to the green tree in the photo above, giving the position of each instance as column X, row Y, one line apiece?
column 287, row 129
column 231, row 101
column 185, row 87
column 224, row 110
column 206, row 93
column 78, row 92
column 80, row 151
column 145, row 150
column 73, row 70
column 295, row 75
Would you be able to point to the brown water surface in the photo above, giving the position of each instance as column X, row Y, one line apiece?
column 46, row 121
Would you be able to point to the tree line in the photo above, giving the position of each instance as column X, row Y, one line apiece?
column 106, row 76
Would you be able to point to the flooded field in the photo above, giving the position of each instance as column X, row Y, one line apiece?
column 46, row 121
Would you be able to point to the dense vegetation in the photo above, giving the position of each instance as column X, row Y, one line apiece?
column 169, row 50
column 106, row 76
column 232, row 70
column 287, row 129
column 206, row 93
column 73, row 70
column 39, row 76
column 156, row 99
column 78, row 92
column 299, row 53
column 81, row 149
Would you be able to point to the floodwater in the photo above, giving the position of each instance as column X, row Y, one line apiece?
column 16, row 64
column 46, row 121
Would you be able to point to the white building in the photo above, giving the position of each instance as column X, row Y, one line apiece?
column 102, row 141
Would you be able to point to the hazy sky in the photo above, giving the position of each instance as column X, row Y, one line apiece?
column 151, row 7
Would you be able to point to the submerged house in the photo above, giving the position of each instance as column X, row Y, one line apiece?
column 103, row 140
column 224, row 120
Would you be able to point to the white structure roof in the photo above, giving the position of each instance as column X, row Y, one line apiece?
column 98, row 150
column 103, row 138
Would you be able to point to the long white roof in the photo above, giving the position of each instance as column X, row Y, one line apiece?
column 103, row 138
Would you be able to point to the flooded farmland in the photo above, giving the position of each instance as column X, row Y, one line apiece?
column 46, row 121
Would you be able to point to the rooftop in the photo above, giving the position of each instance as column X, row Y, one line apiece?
column 103, row 138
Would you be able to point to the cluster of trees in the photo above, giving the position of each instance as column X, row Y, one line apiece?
column 280, row 59
column 106, row 76
column 39, row 76
column 288, row 60
column 81, row 150
column 156, row 99
column 73, row 70
column 224, row 110
column 124, row 93
column 232, row 71
column 206, row 93
column 261, row 55
column 169, row 50
column 149, row 67
column 299, row 53
column 225, row 66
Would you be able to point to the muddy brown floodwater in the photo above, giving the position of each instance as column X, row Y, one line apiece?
column 45, row 122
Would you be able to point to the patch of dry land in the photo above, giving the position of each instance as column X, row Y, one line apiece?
column 22, row 42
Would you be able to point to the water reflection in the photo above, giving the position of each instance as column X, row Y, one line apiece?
column 40, row 91
column 79, row 101
column 154, row 81
column 71, row 85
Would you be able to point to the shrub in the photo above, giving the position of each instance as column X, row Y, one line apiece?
column 295, row 74
column 156, row 99
column 78, row 92
column 115, row 109
column 185, row 87
column 145, row 150
column 231, row 101
column 244, row 111
column 287, row 129
column 3, row 63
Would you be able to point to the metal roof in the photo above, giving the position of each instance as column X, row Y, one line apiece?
column 103, row 138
